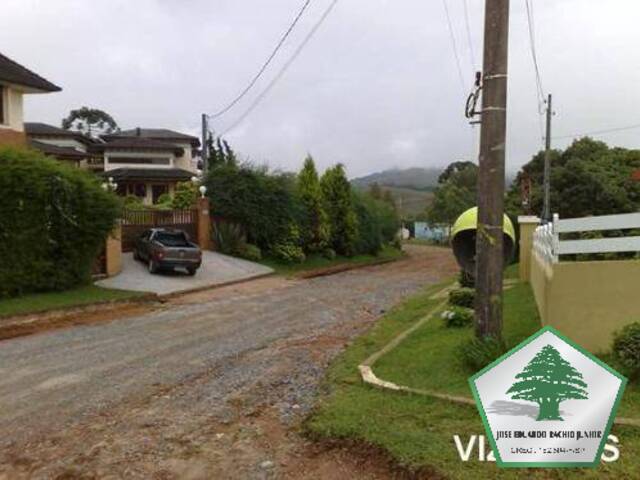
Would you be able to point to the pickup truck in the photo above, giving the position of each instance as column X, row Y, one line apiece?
column 162, row 248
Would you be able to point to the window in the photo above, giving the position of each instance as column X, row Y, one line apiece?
column 141, row 160
column 2, row 102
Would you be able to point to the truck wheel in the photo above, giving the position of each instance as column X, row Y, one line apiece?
column 191, row 271
column 153, row 268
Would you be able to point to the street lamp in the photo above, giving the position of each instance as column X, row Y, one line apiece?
column 202, row 190
column 110, row 185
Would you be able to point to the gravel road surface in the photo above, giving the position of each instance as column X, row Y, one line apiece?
column 211, row 385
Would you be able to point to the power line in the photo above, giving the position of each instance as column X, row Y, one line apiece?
column 284, row 69
column 534, row 55
column 599, row 132
column 540, row 96
column 469, row 36
column 454, row 45
column 265, row 65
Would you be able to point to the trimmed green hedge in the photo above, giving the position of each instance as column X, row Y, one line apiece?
column 53, row 222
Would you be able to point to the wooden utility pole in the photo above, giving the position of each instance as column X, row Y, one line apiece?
column 489, row 238
column 546, row 210
column 205, row 146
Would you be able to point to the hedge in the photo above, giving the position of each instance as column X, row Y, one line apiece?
column 54, row 220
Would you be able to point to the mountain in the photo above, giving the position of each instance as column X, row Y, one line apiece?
column 415, row 178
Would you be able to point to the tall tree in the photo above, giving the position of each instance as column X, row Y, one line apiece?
column 315, row 222
column 548, row 380
column 456, row 193
column 90, row 121
column 587, row 178
column 338, row 202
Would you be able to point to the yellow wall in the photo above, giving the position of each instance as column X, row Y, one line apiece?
column 527, row 225
column 587, row 301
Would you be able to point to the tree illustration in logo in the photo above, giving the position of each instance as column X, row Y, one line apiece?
column 548, row 379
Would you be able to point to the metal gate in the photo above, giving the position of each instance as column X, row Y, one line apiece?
column 134, row 222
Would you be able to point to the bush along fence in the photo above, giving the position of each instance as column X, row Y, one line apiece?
column 584, row 274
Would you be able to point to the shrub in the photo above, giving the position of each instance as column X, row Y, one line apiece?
column 626, row 349
column 131, row 202
column 466, row 280
column 288, row 249
column 480, row 352
column 263, row 203
column 378, row 223
column 185, row 196
column 329, row 253
column 462, row 297
column 54, row 220
column 458, row 317
column 250, row 252
column 228, row 237
column 288, row 253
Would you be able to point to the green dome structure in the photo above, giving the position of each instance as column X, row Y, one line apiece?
column 463, row 239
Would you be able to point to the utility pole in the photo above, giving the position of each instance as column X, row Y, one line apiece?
column 205, row 143
column 546, row 210
column 489, row 237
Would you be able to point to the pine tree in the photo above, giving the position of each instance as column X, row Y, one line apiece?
column 338, row 202
column 549, row 379
column 315, row 231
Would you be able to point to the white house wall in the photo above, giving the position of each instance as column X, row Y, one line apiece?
column 13, row 109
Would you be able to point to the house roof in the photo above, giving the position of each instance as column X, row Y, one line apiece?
column 123, row 174
column 37, row 129
column 62, row 153
column 139, row 143
column 162, row 134
column 13, row 72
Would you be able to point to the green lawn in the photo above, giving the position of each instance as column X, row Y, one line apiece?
column 318, row 262
column 418, row 431
column 41, row 302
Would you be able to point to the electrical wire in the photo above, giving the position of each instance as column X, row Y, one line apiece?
column 284, row 69
column 540, row 96
column 599, row 132
column 534, row 54
column 469, row 36
column 454, row 45
column 265, row 65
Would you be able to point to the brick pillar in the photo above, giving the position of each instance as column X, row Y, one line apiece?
column 527, row 227
column 204, row 224
column 113, row 250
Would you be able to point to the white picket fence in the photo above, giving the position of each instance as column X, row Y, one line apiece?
column 547, row 243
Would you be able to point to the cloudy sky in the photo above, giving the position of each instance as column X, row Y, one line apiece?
column 376, row 87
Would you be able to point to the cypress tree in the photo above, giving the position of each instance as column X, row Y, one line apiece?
column 338, row 202
column 315, row 223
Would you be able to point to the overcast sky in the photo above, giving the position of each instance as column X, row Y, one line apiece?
column 377, row 87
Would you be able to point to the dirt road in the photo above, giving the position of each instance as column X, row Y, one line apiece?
column 212, row 385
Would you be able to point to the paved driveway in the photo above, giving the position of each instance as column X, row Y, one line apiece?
column 216, row 269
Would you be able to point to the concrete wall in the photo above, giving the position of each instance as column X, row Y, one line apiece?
column 587, row 301
column 13, row 110
column 185, row 161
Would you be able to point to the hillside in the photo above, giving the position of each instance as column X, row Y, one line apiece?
column 411, row 178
